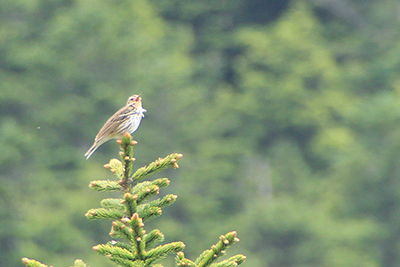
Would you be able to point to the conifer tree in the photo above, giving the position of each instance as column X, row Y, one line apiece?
column 136, row 247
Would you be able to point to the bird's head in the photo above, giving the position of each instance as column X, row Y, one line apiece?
column 134, row 100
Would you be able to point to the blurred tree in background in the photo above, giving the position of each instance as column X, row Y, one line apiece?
column 294, row 104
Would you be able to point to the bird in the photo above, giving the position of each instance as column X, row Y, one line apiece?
column 127, row 119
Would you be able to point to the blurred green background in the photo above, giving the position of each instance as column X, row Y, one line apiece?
column 287, row 113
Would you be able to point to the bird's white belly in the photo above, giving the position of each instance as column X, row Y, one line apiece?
column 135, row 120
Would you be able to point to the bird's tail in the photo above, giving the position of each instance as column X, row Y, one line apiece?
column 97, row 143
column 92, row 150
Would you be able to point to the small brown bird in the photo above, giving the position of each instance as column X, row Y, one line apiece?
column 127, row 119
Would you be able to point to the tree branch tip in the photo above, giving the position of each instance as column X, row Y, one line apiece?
column 107, row 166
column 135, row 216
column 138, row 239
column 133, row 143
column 179, row 156
column 96, row 248
column 125, row 220
column 127, row 135
column 119, row 141
column 129, row 197
column 236, row 240
column 226, row 241
column 233, row 233
column 126, row 158
column 175, row 165
column 25, row 261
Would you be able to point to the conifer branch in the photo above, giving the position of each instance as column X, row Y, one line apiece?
column 149, row 213
column 124, row 262
column 232, row 261
column 119, row 244
column 209, row 256
column 158, row 165
column 165, row 201
column 162, row 182
column 130, row 202
column 101, row 213
column 120, row 230
column 152, row 238
column 217, row 250
column 146, row 192
column 137, row 234
column 133, row 209
column 80, row 263
column 127, row 158
column 180, row 260
column 116, row 167
column 33, row 263
column 117, row 252
column 106, row 185
column 114, row 203
column 161, row 252
column 127, row 154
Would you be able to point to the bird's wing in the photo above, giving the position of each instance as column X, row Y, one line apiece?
column 111, row 126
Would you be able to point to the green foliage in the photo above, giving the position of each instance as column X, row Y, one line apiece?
column 286, row 111
column 130, row 212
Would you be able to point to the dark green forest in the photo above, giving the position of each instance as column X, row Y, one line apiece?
column 287, row 114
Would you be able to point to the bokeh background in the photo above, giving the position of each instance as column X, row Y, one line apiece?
column 287, row 113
